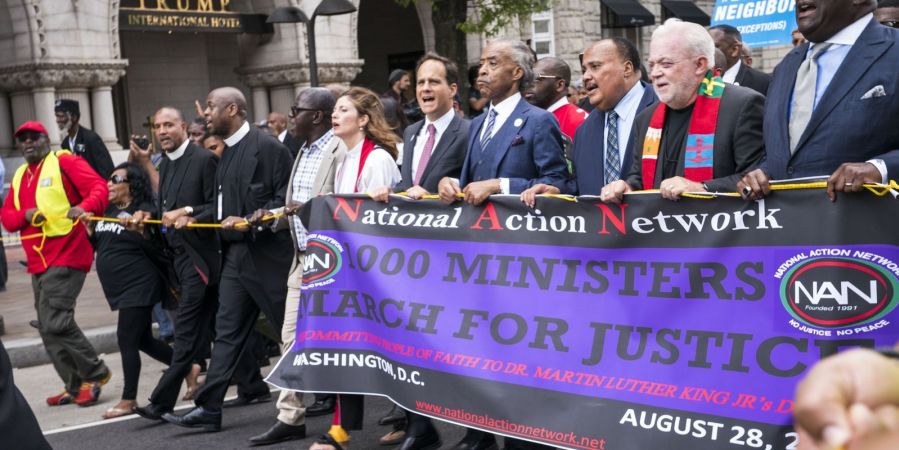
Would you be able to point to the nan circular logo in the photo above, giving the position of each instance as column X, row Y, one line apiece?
column 323, row 260
column 838, row 292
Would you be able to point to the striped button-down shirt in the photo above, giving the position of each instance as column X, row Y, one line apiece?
column 304, row 178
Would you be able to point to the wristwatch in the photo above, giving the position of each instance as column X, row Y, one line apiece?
column 189, row 210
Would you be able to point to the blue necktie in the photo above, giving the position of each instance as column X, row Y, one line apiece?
column 613, row 158
column 488, row 132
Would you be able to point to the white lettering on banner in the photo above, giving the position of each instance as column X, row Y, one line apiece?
column 734, row 221
column 748, row 10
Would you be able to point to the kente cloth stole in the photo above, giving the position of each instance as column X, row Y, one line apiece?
column 699, row 155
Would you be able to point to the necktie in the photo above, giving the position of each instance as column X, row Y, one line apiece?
column 488, row 131
column 804, row 95
column 613, row 158
column 426, row 153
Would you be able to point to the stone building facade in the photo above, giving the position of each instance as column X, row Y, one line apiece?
column 90, row 51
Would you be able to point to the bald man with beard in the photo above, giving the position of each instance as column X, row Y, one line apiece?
column 250, row 180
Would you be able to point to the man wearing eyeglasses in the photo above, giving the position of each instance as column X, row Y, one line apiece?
column 312, row 175
column 48, row 197
column 833, row 102
column 887, row 13
column 703, row 134
column 552, row 76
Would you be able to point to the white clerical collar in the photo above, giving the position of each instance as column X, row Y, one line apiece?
column 442, row 122
column 505, row 107
column 850, row 34
column 282, row 136
column 730, row 75
column 558, row 104
column 232, row 140
column 178, row 152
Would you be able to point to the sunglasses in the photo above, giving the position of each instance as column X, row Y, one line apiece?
column 118, row 179
column 26, row 135
column 890, row 23
column 295, row 111
column 547, row 77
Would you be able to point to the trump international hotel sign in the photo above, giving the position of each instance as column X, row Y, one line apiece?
column 188, row 16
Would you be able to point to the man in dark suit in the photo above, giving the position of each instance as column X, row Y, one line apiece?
column 833, row 103
column 600, row 154
column 17, row 422
column 277, row 126
column 435, row 148
column 686, row 151
column 729, row 40
column 252, row 177
column 511, row 147
column 491, row 166
column 186, row 188
column 81, row 141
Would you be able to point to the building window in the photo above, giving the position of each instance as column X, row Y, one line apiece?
column 542, row 34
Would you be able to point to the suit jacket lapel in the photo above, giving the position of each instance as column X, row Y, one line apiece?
column 502, row 139
column 326, row 165
column 409, row 152
column 869, row 46
column 781, row 107
column 649, row 98
column 449, row 136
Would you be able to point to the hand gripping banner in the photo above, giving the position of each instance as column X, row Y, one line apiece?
column 584, row 325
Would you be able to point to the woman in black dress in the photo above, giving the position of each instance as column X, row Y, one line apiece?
column 131, row 281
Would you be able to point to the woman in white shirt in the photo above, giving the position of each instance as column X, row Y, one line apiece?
column 370, row 163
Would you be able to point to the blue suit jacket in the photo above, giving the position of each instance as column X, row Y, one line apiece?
column 843, row 128
column 527, row 150
column 588, row 151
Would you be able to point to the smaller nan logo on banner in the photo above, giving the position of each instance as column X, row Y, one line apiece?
column 323, row 260
column 838, row 291
column 763, row 23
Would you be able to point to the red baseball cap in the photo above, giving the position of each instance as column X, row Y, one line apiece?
column 31, row 125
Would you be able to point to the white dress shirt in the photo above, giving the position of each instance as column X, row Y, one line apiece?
column 503, row 111
column 730, row 75
column 441, row 124
column 282, row 136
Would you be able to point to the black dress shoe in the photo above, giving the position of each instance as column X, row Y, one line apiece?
column 197, row 417
column 279, row 432
column 427, row 441
column 476, row 440
column 35, row 324
column 244, row 401
column 321, row 407
column 152, row 411
column 395, row 415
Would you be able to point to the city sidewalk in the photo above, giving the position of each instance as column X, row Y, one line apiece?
column 22, row 342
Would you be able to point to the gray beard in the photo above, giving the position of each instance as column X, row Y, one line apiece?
column 64, row 130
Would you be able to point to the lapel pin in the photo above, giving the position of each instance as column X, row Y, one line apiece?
column 518, row 122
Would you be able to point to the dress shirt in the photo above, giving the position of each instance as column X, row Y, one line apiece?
column 558, row 104
column 730, row 75
column 380, row 171
column 441, row 124
column 178, row 152
column 503, row 110
column 627, row 111
column 282, row 136
column 303, row 179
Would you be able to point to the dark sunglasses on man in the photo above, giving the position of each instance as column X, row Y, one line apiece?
column 890, row 23
column 117, row 179
column 26, row 135
column 295, row 111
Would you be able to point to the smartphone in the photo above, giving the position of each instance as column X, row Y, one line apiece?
column 142, row 143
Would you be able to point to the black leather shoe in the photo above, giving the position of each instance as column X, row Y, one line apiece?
column 321, row 407
column 35, row 324
column 428, row 441
column 279, row 432
column 244, row 401
column 197, row 417
column 476, row 440
column 395, row 415
column 152, row 411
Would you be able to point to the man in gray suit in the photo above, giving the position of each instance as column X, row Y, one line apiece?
column 312, row 174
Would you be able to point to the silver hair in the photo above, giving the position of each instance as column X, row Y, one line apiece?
column 523, row 57
column 694, row 37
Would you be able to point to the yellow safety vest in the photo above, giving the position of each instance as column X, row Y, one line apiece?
column 50, row 195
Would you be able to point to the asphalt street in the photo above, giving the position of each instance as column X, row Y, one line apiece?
column 237, row 426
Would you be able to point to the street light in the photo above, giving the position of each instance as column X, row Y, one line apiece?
column 292, row 14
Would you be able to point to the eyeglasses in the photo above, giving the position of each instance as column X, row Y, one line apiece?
column 890, row 23
column 117, row 179
column 26, row 135
column 547, row 77
column 295, row 111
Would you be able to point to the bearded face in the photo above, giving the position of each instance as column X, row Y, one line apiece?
column 64, row 122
